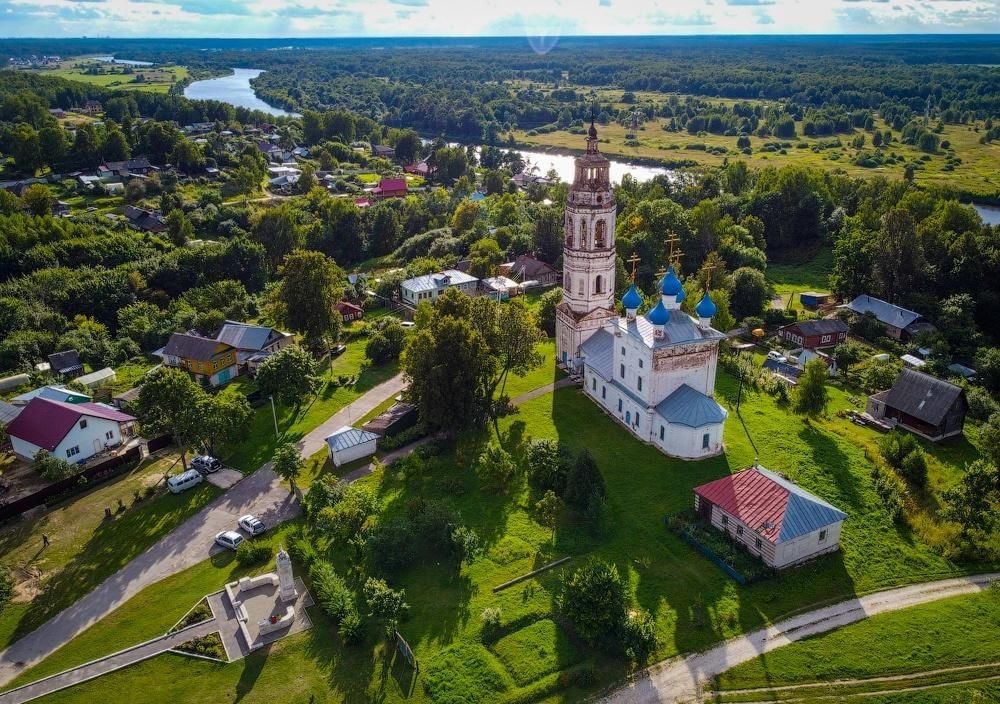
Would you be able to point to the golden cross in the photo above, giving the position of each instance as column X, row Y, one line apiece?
column 672, row 239
column 633, row 260
column 707, row 267
column 677, row 260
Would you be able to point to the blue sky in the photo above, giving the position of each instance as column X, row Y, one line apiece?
column 533, row 18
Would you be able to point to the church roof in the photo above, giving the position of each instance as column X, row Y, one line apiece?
column 599, row 353
column 670, row 285
column 706, row 307
column 679, row 328
column 632, row 299
column 690, row 407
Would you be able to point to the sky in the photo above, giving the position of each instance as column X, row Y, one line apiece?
column 542, row 19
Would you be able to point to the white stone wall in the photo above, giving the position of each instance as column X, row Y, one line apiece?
column 684, row 441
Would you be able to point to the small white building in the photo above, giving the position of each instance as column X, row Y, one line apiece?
column 430, row 286
column 771, row 516
column 349, row 444
column 74, row 432
column 501, row 285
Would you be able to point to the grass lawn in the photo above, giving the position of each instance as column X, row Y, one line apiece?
column 85, row 547
column 545, row 373
column 791, row 279
column 976, row 173
column 293, row 424
column 533, row 658
column 963, row 630
column 157, row 79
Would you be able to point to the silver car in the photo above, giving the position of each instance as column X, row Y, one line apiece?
column 229, row 539
column 252, row 525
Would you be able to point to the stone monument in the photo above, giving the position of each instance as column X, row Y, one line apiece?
column 286, row 580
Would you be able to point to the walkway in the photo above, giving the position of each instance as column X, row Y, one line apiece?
column 683, row 679
column 110, row 663
column 541, row 391
column 262, row 493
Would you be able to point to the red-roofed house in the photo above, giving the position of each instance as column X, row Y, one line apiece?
column 348, row 311
column 771, row 516
column 390, row 188
column 73, row 431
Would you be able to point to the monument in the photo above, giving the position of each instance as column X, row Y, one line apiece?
column 286, row 580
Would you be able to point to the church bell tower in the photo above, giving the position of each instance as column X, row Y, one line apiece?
column 588, row 255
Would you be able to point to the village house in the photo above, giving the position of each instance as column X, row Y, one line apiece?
column 91, row 107
column 500, row 286
column 814, row 334
column 203, row 357
column 771, row 516
column 383, row 151
column 925, row 405
column 145, row 220
column 112, row 170
column 421, row 168
column 51, row 393
column 390, row 188
column 74, row 432
column 429, row 286
column 900, row 323
column 349, row 311
column 65, row 363
column 253, row 343
column 527, row 269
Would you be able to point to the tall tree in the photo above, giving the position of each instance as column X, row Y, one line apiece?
column 289, row 375
column 224, row 418
column 811, row 396
column 277, row 229
column 309, row 291
column 898, row 257
column 168, row 403
column 287, row 463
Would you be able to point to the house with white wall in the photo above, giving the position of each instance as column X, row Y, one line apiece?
column 74, row 432
column 771, row 516
column 429, row 286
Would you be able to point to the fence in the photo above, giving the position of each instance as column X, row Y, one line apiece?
column 710, row 554
column 101, row 472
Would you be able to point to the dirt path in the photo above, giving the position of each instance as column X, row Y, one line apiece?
column 683, row 679
column 262, row 493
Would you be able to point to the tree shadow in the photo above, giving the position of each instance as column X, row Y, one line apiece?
column 253, row 664
column 828, row 456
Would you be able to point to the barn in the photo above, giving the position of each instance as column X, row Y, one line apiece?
column 771, row 516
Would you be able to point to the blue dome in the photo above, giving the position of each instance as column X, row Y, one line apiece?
column 681, row 296
column 659, row 315
column 632, row 299
column 706, row 308
column 670, row 285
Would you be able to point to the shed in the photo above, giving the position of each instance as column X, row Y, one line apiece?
column 95, row 380
column 14, row 381
column 349, row 444
column 393, row 421
column 770, row 516
column 812, row 299
column 66, row 362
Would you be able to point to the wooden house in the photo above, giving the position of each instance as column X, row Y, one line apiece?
column 925, row 405
column 203, row 357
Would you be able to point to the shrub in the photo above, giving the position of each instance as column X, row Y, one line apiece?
column 891, row 490
column 390, row 545
column 350, row 628
column 914, row 468
column 253, row 553
column 50, row 467
column 547, row 463
column 896, row 446
column 497, row 469
column 639, row 637
column 331, row 591
column 491, row 623
column 593, row 598
column 584, row 482
column 6, row 587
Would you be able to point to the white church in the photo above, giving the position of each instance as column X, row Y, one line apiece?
column 654, row 373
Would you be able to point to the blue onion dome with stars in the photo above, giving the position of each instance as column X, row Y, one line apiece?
column 632, row 299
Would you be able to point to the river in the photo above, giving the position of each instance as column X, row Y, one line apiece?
column 123, row 62
column 235, row 90
column 989, row 213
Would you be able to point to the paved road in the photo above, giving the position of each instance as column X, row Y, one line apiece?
column 103, row 666
column 262, row 493
column 683, row 679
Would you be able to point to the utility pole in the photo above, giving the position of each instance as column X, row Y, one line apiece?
column 274, row 416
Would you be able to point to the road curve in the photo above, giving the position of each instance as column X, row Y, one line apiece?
column 682, row 680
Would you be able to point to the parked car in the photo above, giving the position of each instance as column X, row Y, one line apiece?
column 184, row 481
column 337, row 350
column 229, row 539
column 206, row 464
column 252, row 525
column 777, row 356
column 407, row 324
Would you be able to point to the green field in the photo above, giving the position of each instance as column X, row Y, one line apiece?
column 86, row 548
column 693, row 603
column 951, row 633
column 158, row 79
column 976, row 174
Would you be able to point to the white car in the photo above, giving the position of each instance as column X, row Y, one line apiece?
column 407, row 324
column 229, row 539
column 777, row 356
column 252, row 525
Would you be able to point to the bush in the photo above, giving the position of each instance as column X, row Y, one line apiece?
column 594, row 600
column 253, row 553
column 6, row 587
column 639, row 637
column 497, row 469
column 491, row 623
column 350, row 628
column 331, row 591
column 390, row 545
column 50, row 467
column 891, row 490
column 547, row 463
column 896, row 446
column 914, row 468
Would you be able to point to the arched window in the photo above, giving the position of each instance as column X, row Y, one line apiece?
column 568, row 284
column 583, row 233
column 598, row 285
column 569, row 232
column 600, row 234
column 579, row 287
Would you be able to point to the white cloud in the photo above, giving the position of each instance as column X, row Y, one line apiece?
column 533, row 18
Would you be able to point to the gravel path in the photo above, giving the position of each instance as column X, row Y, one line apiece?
column 262, row 493
column 683, row 679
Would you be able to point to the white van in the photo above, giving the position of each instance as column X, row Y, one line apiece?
column 184, row 481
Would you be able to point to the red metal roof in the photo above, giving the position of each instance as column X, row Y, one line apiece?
column 392, row 184
column 45, row 423
column 751, row 497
